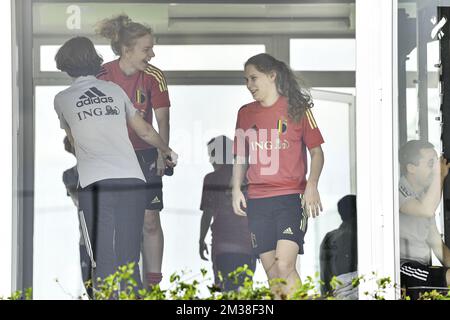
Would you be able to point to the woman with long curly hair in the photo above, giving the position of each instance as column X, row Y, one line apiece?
column 272, row 134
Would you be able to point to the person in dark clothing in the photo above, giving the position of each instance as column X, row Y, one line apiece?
column 338, row 250
column 423, row 175
column 70, row 179
column 231, row 243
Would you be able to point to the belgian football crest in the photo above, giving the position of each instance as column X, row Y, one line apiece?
column 140, row 97
column 282, row 126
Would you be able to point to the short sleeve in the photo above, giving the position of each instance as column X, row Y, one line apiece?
column 312, row 137
column 159, row 91
column 404, row 193
column 130, row 109
column 62, row 121
column 240, row 145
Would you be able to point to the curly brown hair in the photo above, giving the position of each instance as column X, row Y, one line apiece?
column 298, row 98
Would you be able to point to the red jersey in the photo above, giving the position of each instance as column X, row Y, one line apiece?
column 275, row 147
column 147, row 90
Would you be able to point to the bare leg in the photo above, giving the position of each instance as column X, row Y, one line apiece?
column 448, row 277
column 286, row 258
column 153, row 245
column 268, row 261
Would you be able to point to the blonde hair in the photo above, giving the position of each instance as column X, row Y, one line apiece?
column 122, row 32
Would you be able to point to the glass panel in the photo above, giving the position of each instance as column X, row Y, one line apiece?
column 56, row 271
column 190, row 130
column 176, row 57
column 433, row 57
column 338, row 89
column 323, row 54
column 419, row 119
column 197, row 116
column 204, row 57
column 56, row 224
column 335, row 183
column 48, row 53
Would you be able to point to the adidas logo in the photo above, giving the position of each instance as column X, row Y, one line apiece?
column 156, row 200
column 288, row 231
column 93, row 95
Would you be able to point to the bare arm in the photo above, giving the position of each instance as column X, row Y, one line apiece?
column 446, row 256
column 441, row 251
column 311, row 199
column 162, row 116
column 239, row 169
column 426, row 207
column 204, row 227
column 147, row 133
column 70, row 137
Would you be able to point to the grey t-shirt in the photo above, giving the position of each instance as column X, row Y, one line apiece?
column 96, row 113
column 415, row 232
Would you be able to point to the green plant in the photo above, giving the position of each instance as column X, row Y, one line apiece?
column 19, row 295
column 122, row 286
column 435, row 295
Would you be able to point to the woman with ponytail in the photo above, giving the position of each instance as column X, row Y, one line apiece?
column 146, row 87
column 272, row 134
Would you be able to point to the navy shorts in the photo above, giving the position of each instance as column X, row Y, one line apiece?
column 113, row 212
column 154, row 195
column 276, row 218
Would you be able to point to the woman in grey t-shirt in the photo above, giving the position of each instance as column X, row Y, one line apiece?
column 94, row 113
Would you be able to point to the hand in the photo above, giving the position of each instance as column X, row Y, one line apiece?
column 444, row 167
column 171, row 158
column 311, row 201
column 202, row 248
column 160, row 164
column 238, row 199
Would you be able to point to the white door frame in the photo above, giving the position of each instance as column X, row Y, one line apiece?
column 377, row 143
column 6, row 145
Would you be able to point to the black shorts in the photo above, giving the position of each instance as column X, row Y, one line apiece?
column 154, row 195
column 416, row 277
column 276, row 218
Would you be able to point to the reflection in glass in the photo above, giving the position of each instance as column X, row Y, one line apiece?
column 420, row 177
column 56, row 253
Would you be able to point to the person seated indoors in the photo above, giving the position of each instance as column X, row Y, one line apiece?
column 420, row 190
column 339, row 253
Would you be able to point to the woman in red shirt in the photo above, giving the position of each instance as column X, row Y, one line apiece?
column 146, row 87
column 272, row 134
